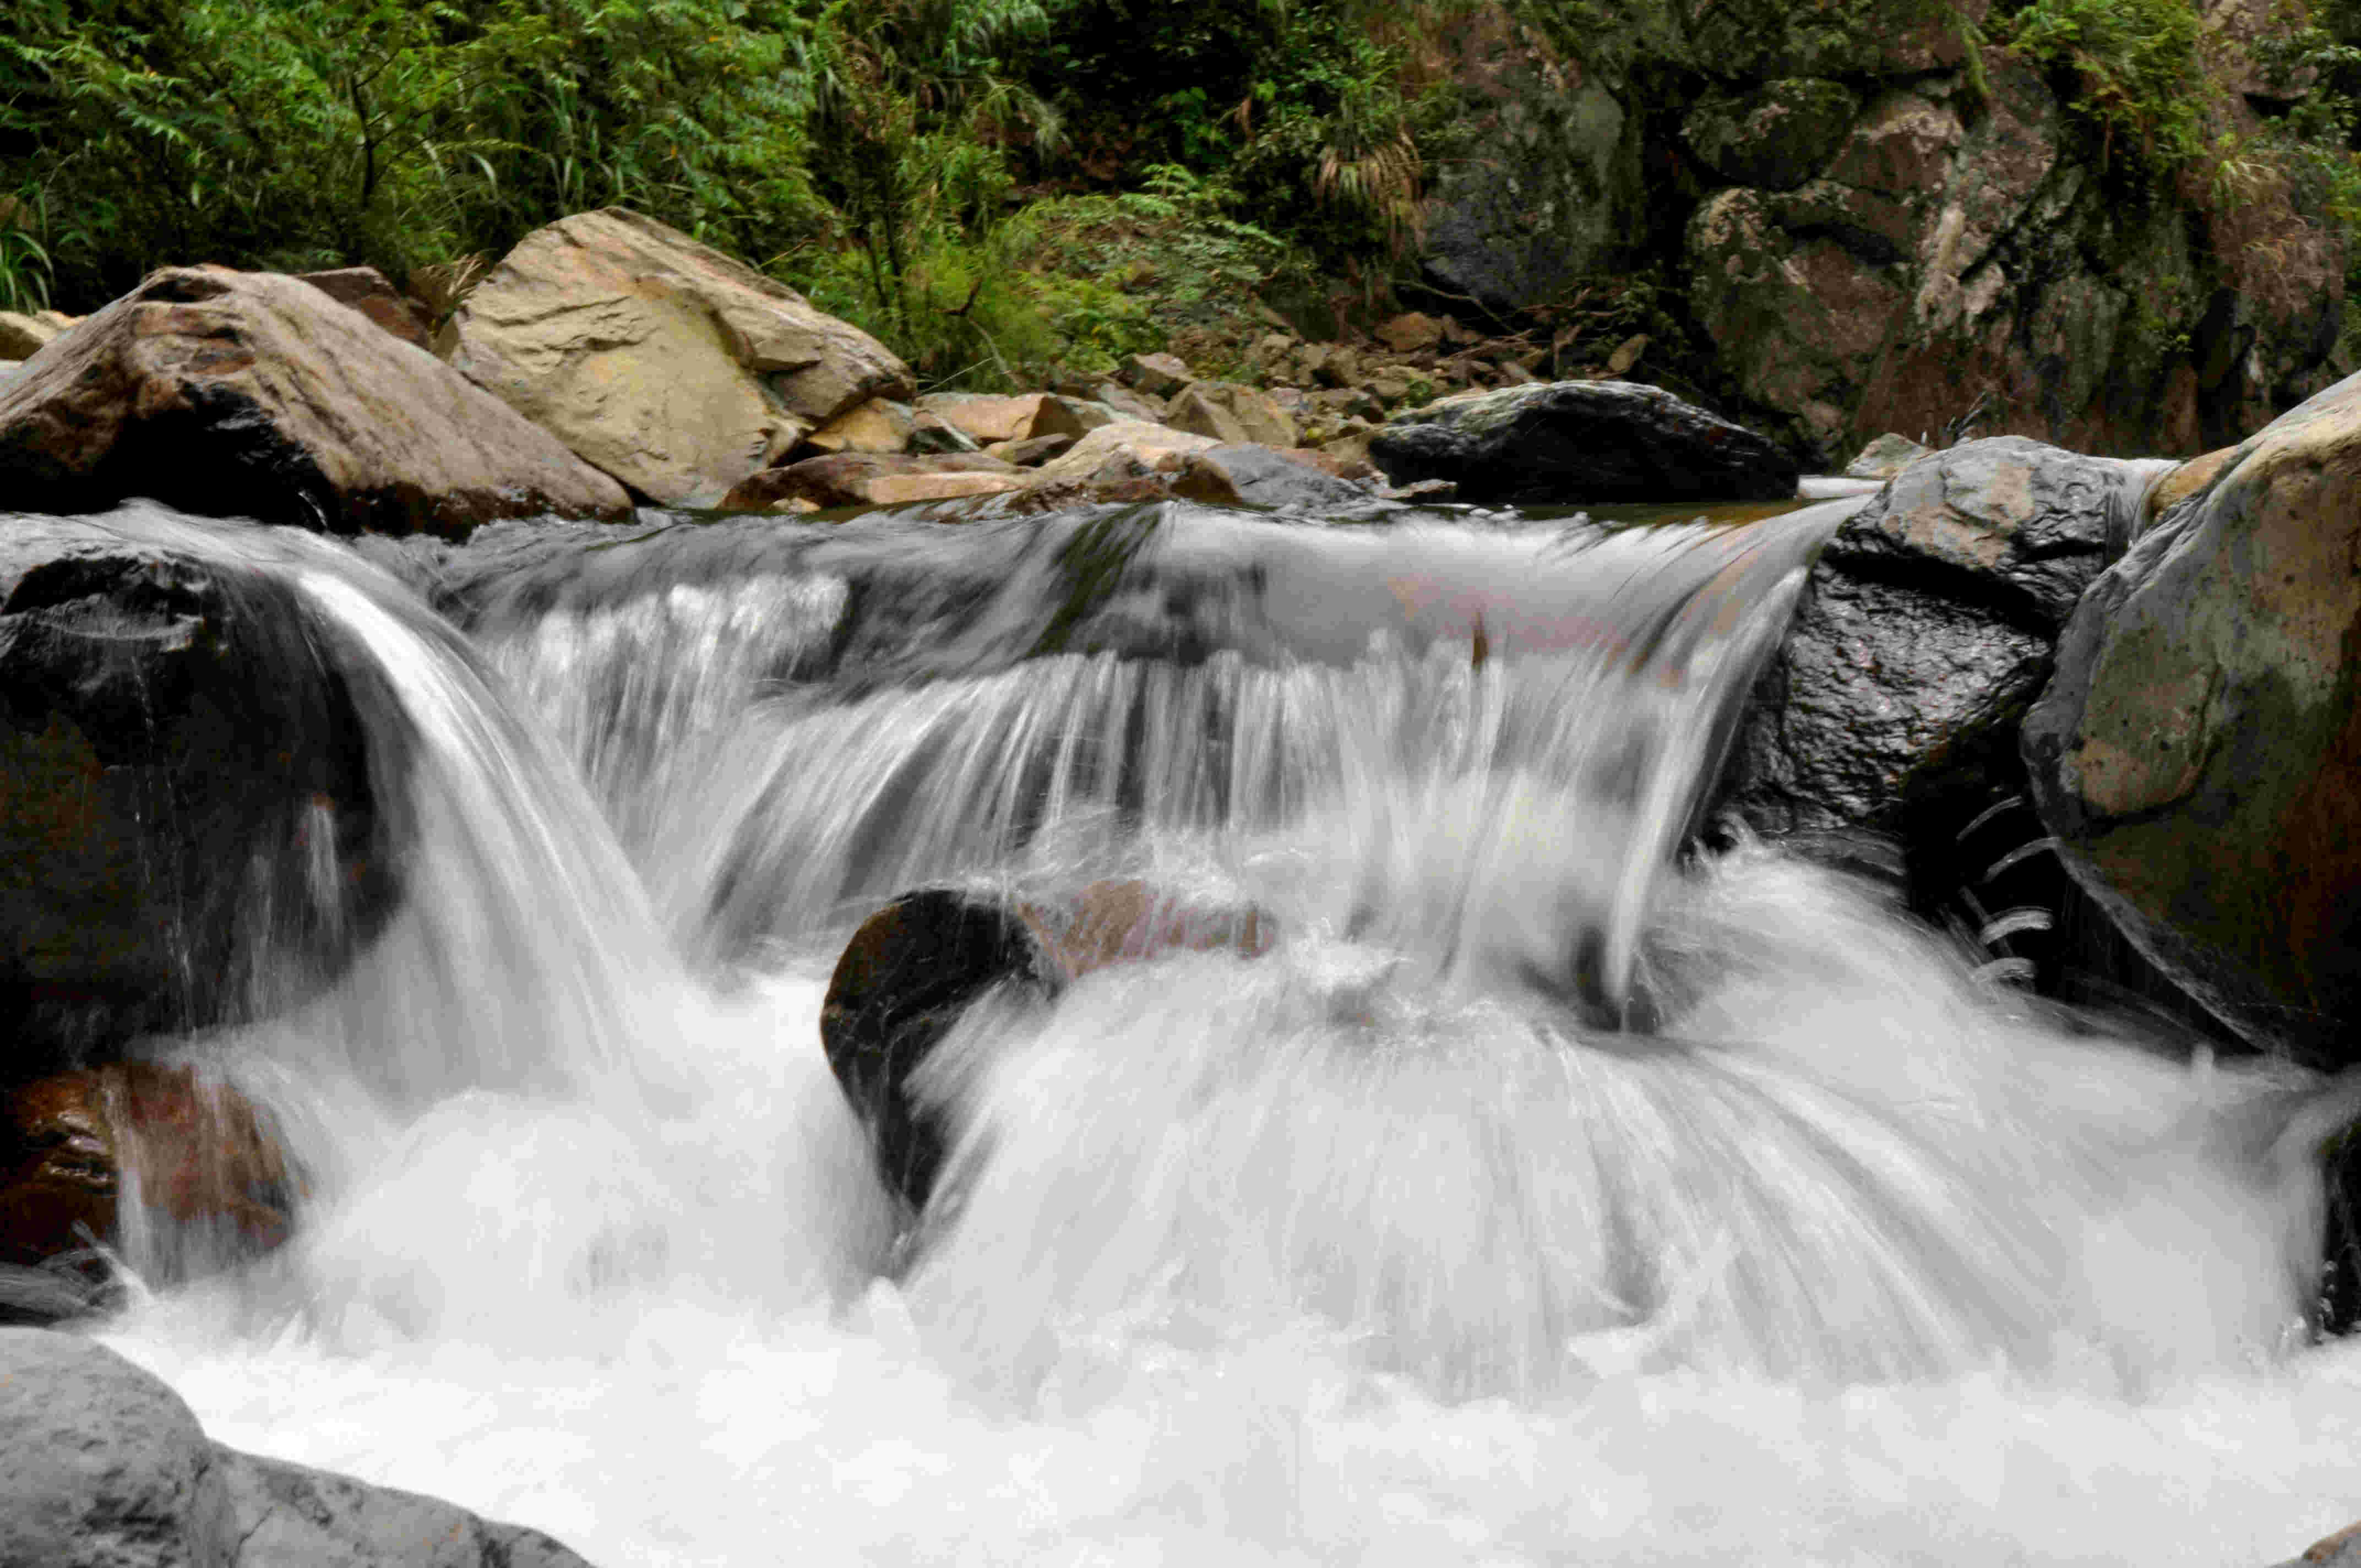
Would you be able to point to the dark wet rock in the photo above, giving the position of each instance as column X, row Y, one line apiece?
column 916, row 967
column 1774, row 136
column 73, row 1144
column 1246, row 474
column 71, row 1285
column 256, row 395
column 183, row 784
column 1581, row 441
column 1925, row 634
column 102, row 1465
column 2199, row 753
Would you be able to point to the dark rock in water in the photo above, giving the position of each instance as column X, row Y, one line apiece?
column 259, row 395
column 914, row 968
column 183, row 781
column 1581, row 441
column 70, row 1145
column 2199, row 753
column 1925, row 634
column 102, row 1465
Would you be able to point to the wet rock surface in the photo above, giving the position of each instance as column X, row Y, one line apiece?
column 1570, row 441
column 102, row 1465
column 1924, row 635
column 256, row 395
column 73, row 1145
column 2199, row 753
column 914, row 968
column 183, row 781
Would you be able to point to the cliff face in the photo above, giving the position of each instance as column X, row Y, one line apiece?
column 1873, row 219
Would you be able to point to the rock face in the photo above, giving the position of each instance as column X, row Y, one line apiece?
column 665, row 364
column 1926, row 632
column 1551, row 194
column 255, row 395
column 2199, row 752
column 1581, row 441
column 104, row 1466
column 916, row 967
column 177, row 756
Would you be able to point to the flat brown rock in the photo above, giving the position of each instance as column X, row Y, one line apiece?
column 872, row 478
column 662, row 362
column 250, row 394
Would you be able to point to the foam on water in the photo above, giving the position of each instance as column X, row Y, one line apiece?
column 1387, row 1245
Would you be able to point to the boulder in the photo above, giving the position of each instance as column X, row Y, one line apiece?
column 1075, row 416
column 185, row 786
column 917, row 965
column 1265, row 476
column 666, row 364
column 1155, row 447
column 371, row 292
column 106, row 1467
column 1156, row 375
column 985, row 419
column 859, row 478
column 1884, row 457
column 877, row 425
column 1226, row 412
column 256, row 395
column 23, row 335
column 2197, row 753
column 1926, row 631
column 71, row 1144
column 1581, row 441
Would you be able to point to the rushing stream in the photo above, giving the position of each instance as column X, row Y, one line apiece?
column 1546, row 1192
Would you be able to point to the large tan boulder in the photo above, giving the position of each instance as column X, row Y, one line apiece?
column 666, row 364
column 1153, row 447
column 250, row 394
column 1229, row 412
column 2197, row 752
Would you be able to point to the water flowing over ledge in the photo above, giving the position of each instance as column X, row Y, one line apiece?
column 1542, row 1188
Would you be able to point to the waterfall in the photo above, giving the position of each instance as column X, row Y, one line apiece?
column 1532, row 1116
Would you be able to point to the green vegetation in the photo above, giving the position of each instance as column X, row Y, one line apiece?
column 907, row 161
column 1005, row 189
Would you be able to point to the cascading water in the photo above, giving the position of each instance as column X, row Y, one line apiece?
column 1538, row 1194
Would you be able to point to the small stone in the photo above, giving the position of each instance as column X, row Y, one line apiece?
column 1158, row 375
column 1413, row 331
column 1885, row 457
column 877, row 425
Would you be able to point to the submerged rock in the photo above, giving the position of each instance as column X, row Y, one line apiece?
column 102, row 1465
column 665, row 363
column 254, row 395
column 1581, row 441
column 914, row 968
column 2199, row 753
column 184, row 784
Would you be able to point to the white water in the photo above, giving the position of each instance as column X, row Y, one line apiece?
column 1368, row 1250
